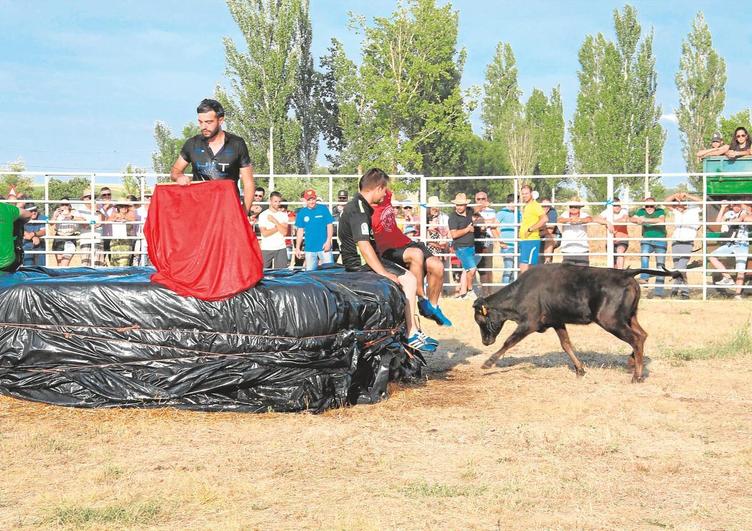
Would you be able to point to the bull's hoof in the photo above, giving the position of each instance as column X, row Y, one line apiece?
column 637, row 379
column 489, row 363
column 580, row 372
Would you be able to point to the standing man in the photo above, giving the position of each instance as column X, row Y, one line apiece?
column 357, row 244
column 653, row 219
column 534, row 218
column 272, row 223
column 215, row 154
column 462, row 230
column 575, row 248
column 506, row 219
column 686, row 220
column 11, row 251
column 483, row 240
column 314, row 221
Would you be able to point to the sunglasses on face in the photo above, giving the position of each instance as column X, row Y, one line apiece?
column 481, row 198
column 649, row 206
column 106, row 195
column 742, row 135
column 342, row 198
column 258, row 195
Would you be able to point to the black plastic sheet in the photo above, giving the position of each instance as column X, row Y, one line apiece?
column 111, row 338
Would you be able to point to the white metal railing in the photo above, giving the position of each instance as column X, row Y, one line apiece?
column 93, row 250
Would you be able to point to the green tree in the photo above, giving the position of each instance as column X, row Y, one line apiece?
column 701, row 82
column 544, row 124
column 616, row 119
column 306, row 98
column 132, row 180
column 168, row 147
column 501, row 102
column 22, row 183
column 72, row 188
column 264, row 78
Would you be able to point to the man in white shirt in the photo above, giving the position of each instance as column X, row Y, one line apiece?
column 732, row 222
column 686, row 221
column 272, row 224
column 575, row 248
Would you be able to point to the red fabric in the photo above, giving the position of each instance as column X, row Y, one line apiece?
column 384, row 223
column 200, row 240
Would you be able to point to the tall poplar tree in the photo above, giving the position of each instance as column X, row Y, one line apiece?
column 501, row 103
column 616, row 119
column 701, row 82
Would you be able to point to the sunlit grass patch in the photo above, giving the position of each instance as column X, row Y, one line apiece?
column 133, row 514
column 739, row 344
column 440, row 490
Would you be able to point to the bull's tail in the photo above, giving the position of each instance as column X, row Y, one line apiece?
column 654, row 272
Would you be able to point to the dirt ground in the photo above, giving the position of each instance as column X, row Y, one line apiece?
column 524, row 445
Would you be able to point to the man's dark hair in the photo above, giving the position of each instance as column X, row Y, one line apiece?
column 373, row 178
column 260, row 189
column 510, row 198
column 275, row 194
column 207, row 105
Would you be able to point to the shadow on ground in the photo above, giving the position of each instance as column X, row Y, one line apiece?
column 451, row 353
column 591, row 360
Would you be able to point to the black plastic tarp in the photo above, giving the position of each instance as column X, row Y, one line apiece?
column 111, row 338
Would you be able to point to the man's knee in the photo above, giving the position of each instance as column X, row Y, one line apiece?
column 435, row 266
column 413, row 257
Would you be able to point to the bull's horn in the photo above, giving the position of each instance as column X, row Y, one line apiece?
column 484, row 310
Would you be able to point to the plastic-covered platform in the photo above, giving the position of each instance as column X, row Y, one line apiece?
column 111, row 338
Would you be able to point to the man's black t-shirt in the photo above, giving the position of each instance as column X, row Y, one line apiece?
column 224, row 165
column 355, row 226
column 458, row 222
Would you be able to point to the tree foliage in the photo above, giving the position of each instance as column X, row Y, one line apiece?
column 701, row 82
column 22, row 183
column 730, row 123
column 132, row 180
column 168, row 147
column 617, row 115
column 72, row 188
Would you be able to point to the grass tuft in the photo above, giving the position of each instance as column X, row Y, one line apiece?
column 739, row 344
column 133, row 514
column 440, row 490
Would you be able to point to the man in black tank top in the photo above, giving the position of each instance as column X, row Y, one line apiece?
column 215, row 154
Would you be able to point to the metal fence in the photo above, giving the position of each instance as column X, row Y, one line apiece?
column 92, row 243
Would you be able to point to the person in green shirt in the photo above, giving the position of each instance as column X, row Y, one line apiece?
column 11, row 250
column 653, row 219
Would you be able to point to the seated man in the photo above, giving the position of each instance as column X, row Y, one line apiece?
column 357, row 244
column 735, row 243
column 396, row 247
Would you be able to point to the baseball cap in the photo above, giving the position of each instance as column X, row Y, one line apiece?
column 716, row 137
column 309, row 194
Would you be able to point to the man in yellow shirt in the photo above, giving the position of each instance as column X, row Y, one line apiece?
column 533, row 219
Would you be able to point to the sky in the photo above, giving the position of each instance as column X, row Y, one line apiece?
column 83, row 82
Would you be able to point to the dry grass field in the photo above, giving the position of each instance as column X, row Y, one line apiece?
column 524, row 445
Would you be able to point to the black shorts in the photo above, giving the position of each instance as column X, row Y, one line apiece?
column 397, row 254
column 389, row 266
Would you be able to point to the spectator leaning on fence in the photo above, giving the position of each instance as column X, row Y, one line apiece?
column 534, row 218
column 575, row 247
column 685, row 220
column 740, row 145
column 616, row 221
column 314, row 221
column 717, row 148
column 484, row 244
column 34, row 233
column 66, row 224
column 653, row 219
column 506, row 219
column 550, row 233
column 273, row 224
column 91, row 237
column 735, row 243
column 463, row 235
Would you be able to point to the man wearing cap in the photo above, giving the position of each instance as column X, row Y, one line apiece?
column 575, row 247
column 314, row 222
column 534, row 218
column 11, row 251
column 462, row 230
column 34, row 232
column 653, row 221
column 717, row 148
column 395, row 246
column 215, row 154
column 273, row 224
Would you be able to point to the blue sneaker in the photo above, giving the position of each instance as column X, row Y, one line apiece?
column 416, row 342
column 425, row 308
column 440, row 318
column 428, row 340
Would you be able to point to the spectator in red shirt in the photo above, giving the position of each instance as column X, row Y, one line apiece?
column 394, row 246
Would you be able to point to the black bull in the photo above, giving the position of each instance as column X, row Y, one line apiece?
column 554, row 295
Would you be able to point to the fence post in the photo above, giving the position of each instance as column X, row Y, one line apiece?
column 610, row 219
column 705, row 236
column 422, row 200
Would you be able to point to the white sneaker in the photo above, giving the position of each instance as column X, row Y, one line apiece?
column 726, row 281
column 737, row 297
column 471, row 296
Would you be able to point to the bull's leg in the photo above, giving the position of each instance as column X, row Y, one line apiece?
column 624, row 332
column 518, row 335
column 566, row 344
column 639, row 349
